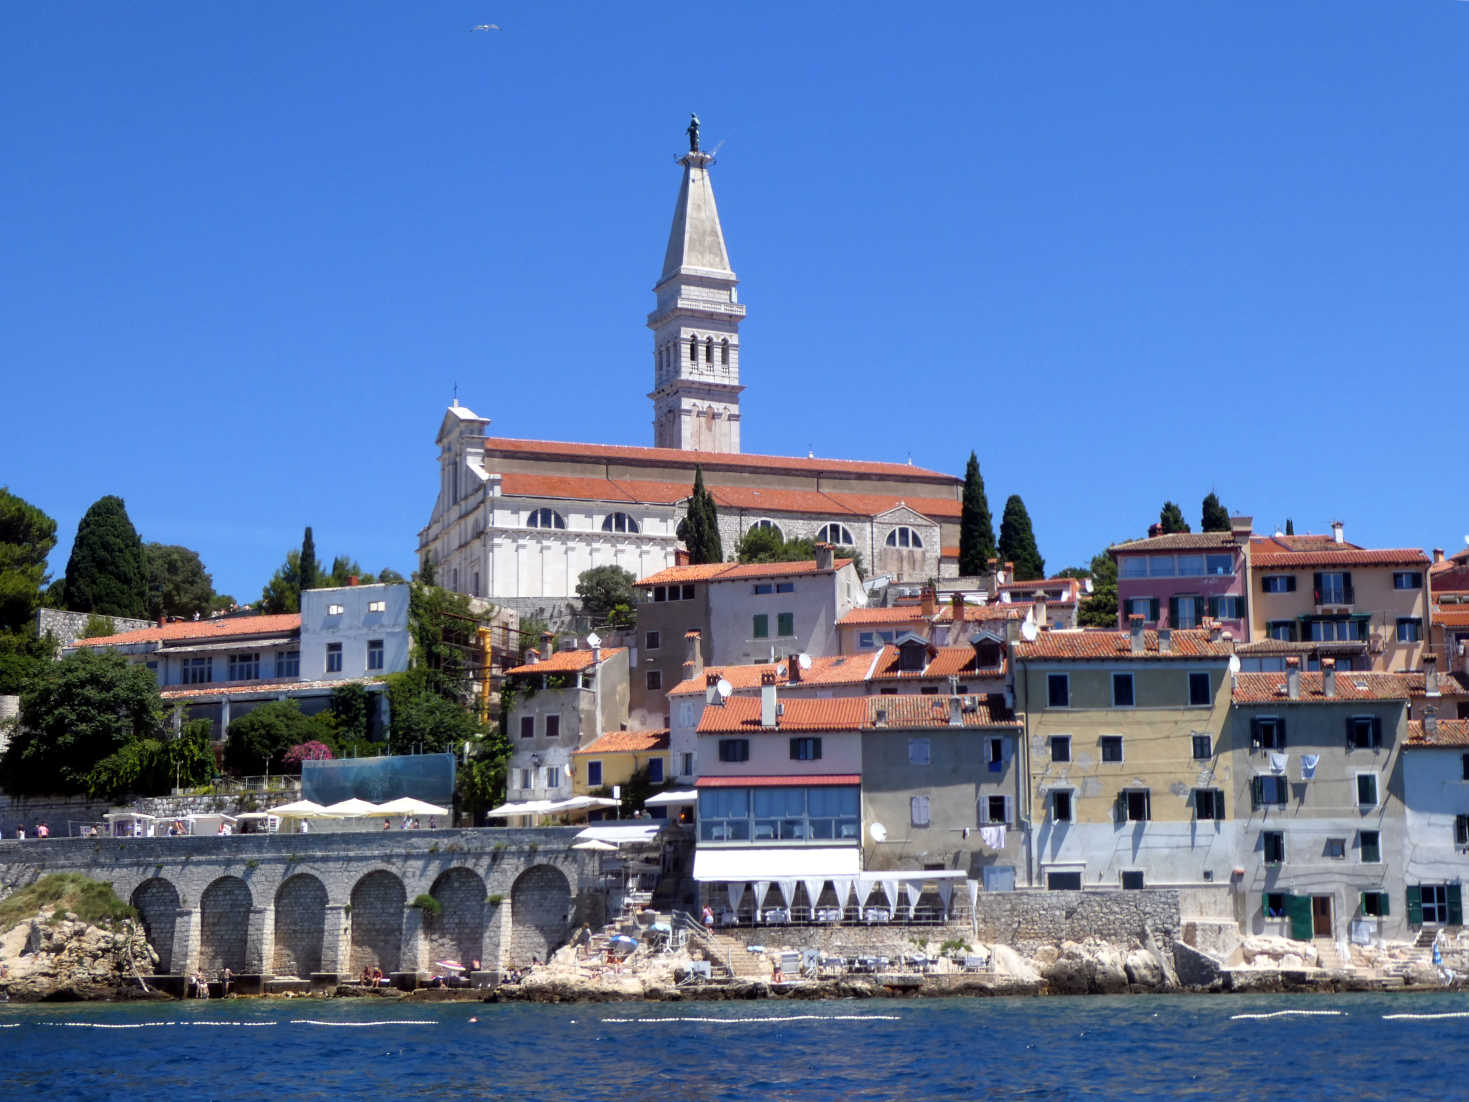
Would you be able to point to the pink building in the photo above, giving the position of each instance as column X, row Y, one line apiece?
column 1179, row 580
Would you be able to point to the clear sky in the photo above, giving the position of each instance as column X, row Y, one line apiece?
column 1126, row 252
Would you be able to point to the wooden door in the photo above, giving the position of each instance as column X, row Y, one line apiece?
column 1321, row 915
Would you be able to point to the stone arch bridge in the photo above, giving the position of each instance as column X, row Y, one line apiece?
column 298, row 904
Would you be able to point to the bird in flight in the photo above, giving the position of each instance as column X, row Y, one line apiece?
column 486, row 27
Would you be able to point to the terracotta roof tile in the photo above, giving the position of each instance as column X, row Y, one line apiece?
column 202, row 631
column 733, row 571
column 893, row 614
column 1101, row 644
column 1178, row 541
column 1336, row 555
column 748, row 677
column 1453, row 616
column 1270, row 688
column 979, row 614
column 1451, row 732
column 617, row 742
column 741, row 714
column 565, row 661
column 1451, row 683
column 243, row 688
column 905, row 712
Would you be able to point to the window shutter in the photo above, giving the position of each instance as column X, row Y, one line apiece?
column 1213, row 609
column 1154, row 609
column 1255, row 741
column 1257, row 790
column 1172, row 611
column 1456, row 905
column 1382, row 898
column 1298, row 908
column 1280, row 733
column 1290, row 583
column 1350, row 724
column 816, row 752
column 1415, row 905
column 1264, row 582
column 1376, row 731
column 1119, row 809
column 1316, row 587
column 1346, row 581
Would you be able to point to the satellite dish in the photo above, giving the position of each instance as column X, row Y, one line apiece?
column 1466, row 539
column 594, row 640
column 1028, row 630
column 724, row 689
column 1234, row 663
column 879, row 832
column 803, row 660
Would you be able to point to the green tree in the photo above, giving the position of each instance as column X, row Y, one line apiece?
column 768, row 545
column 257, row 742
column 74, row 713
column 1214, row 517
column 426, row 723
column 344, row 569
column 107, row 572
column 154, row 766
column 699, row 528
column 97, row 627
column 976, row 526
column 479, row 784
column 388, row 576
column 178, row 584
column 1171, row 518
column 283, row 592
column 1100, row 609
column 1017, row 541
column 306, row 569
column 27, row 536
column 445, row 641
column 607, row 596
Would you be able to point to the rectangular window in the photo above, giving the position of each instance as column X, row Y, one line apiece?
column 527, row 726
column 995, row 810
column 334, row 658
column 1227, row 608
column 1160, row 566
column 1366, row 789
column 1267, row 733
column 919, row 751
column 655, row 770
column 653, row 679
column 1184, row 612
column 1061, row 748
column 1122, row 690
column 1278, row 583
column 525, row 778
column 1335, row 849
column 763, row 588
column 244, row 667
column 553, row 726
column 374, row 654
column 1374, row 905
column 734, row 749
column 377, row 606
column 1132, row 880
column 334, row 610
column 805, row 749
column 918, row 811
column 1141, row 606
column 594, row 774
column 785, row 623
column 1461, row 830
column 288, row 663
column 865, row 640
column 1218, row 565
column 1063, row 881
column 1134, row 805
column 1272, row 847
column 553, row 776
column 1132, row 566
column 1363, row 732
column 1061, row 806
column 1200, row 692
column 1058, row 690
column 1208, row 804
column 1190, row 566
column 651, row 640
column 1410, row 629
column 1283, row 631
column 1203, row 747
column 785, row 587
column 1332, row 588
column 1270, row 790
column 1369, row 843
column 1275, row 904
column 1407, row 579
column 761, row 626
column 661, row 594
column 200, row 671
column 1111, row 748
column 688, row 765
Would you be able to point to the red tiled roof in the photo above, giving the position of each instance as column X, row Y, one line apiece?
column 781, row 781
column 202, row 631
column 1450, row 683
column 893, row 614
column 617, row 742
column 741, row 714
column 933, row 711
column 1178, row 541
column 244, row 688
column 1336, row 555
column 1092, row 643
column 1309, row 542
column 1453, row 616
column 978, row 614
column 733, row 571
column 1270, row 688
column 944, row 661
column 710, row 461
column 565, row 661
column 1451, row 732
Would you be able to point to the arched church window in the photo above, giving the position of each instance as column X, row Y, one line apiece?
column 545, row 518
column 903, row 536
column 724, row 352
column 708, row 350
column 766, row 522
column 836, row 533
column 619, row 522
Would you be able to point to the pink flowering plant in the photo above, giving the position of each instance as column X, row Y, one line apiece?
column 308, row 751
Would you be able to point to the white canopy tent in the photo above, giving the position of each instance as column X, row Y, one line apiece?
column 674, row 798
column 408, row 805
column 125, row 824
column 551, row 807
column 622, row 834
column 352, row 809
column 297, row 809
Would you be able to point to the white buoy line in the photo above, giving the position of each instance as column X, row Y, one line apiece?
column 785, row 1018
column 1288, row 1014
column 1424, row 1017
column 364, row 1025
column 240, row 1025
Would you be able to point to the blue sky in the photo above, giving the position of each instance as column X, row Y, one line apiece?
column 1125, row 252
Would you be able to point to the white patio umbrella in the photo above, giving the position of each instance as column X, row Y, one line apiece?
column 408, row 805
column 299, row 809
column 352, row 809
column 595, row 845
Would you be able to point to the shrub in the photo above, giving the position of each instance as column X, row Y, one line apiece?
column 427, row 904
column 90, row 900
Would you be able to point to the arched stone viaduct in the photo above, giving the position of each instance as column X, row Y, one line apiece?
column 297, row 904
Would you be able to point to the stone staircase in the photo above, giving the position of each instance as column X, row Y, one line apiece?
column 733, row 958
column 1329, row 958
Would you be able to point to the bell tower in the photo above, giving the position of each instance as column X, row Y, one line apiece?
column 696, row 322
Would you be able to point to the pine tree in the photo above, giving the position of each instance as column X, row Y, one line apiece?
column 107, row 571
column 309, row 572
column 699, row 528
column 1213, row 517
column 976, row 526
column 1171, row 518
column 1017, row 541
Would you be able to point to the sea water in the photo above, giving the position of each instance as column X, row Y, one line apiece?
column 1180, row 1047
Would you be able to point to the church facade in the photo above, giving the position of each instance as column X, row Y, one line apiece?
column 518, row 520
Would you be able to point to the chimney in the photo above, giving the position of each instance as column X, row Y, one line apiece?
column 1241, row 528
column 1155, row 530
column 532, row 656
column 680, row 556
column 162, row 620
column 1040, row 610
column 1165, row 640
column 1430, row 724
column 596, row 651
column 352, row 579
column 1216, row 631
column 1336, row 531
column 767, row 698
column 1135, row 628
column 956, row 603
column 693, row 654
column 711, row 693
column 1012, row 630
column 1293, row 678
column 956, row 711
column 826, row 556
column 793, row 669
column 930, row 602
column 1438, row 554
column 1430, row 675
column 1009, row 574
column 548, row 643
column 1328, row 678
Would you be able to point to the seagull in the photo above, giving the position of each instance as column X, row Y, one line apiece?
column 486, row 27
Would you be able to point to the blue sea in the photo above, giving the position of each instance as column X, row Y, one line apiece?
column 1214, row 1047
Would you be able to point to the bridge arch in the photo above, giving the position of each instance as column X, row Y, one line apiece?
column 157, row 904
column 224, row 925
column 378, row 901
column 540, row 913
column 300, row 924
column 458, row 932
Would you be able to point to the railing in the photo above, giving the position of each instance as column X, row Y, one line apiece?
column 876, row 915
column 686, row 928
column 232, row 786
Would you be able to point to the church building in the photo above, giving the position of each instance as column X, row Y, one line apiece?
column 518, row 520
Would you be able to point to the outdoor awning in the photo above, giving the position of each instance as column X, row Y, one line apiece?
column 751, row 863
column 525, row 807
column 668, row 799
column 552, row 807
column 129, row 815
column 622, row 834
column 783, row 780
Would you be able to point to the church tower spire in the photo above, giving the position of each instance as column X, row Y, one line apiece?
column 696, row 323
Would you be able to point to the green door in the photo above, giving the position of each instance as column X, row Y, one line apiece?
column 1298, row 910
column 1456, row 906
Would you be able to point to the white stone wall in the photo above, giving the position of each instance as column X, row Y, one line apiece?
column 353, row 627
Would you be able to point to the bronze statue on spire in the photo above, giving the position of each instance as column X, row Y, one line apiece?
column 693, row 132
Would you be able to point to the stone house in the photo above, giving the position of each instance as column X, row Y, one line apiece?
column 1435, row 771
column 1180, row 579
column 615, row 757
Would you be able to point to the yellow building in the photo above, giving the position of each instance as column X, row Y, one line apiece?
column 613, row 758
column 1127, row 782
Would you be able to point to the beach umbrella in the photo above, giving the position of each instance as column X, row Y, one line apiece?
column 300, row 809
column 408, row 805
column 451, row 965
column 595, row 845
column 622, row 941
column 352, row 809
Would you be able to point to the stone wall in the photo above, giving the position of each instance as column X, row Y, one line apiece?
column 60, row 813
column 67, row 627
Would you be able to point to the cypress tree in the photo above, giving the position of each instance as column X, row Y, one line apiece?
column 699, row 528
column 976, row 526
column 107, row 572
column 308, row 572
column 1171, row 518
column 1017, row 541
column 1214, row 517
column 1290, row 527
